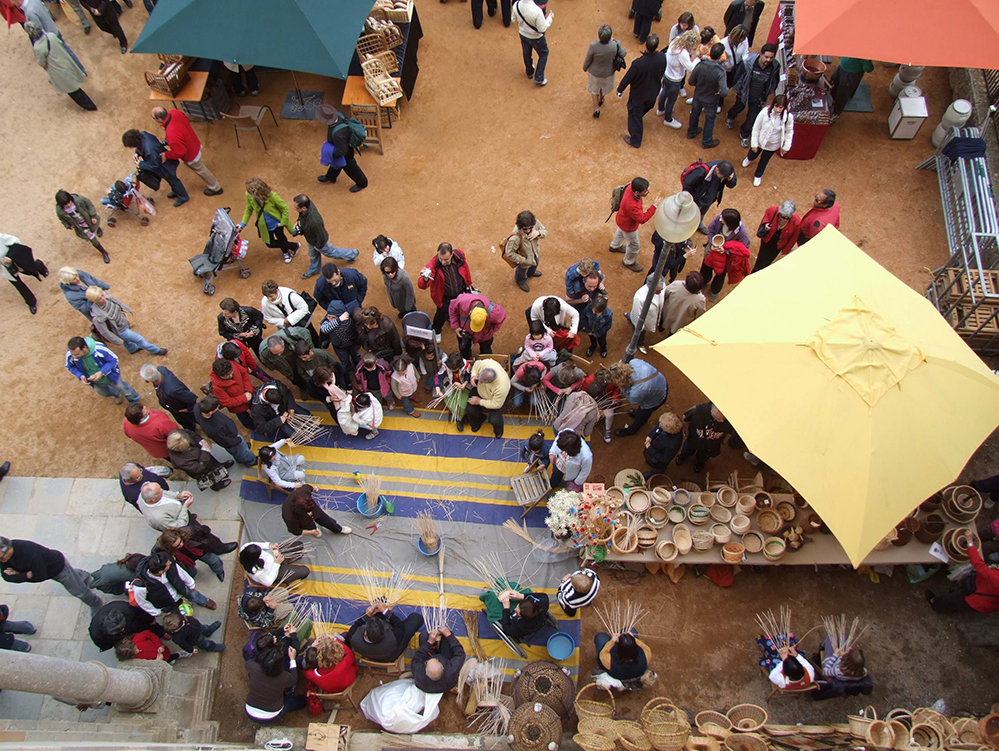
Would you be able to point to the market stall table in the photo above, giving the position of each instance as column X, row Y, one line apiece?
column 406, row 54
column 354, row 92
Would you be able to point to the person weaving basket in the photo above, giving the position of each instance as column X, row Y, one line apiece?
column 623, row 658
column 786, row 667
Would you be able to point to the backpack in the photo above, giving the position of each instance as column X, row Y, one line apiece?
column 616, row 195
column 509, row 261
column 357, row 132
column 696, row 165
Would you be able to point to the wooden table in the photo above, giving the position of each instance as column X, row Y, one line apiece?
column 354, row 92
column 192, row 92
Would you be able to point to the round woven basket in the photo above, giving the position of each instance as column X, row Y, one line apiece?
column 753, row 541
column 629, row 478
column 745, row 742
column 547, row 683
column 702, row 540
column 900, row 735
column 900, row 714
column 639, row 501
column 698, row 514
column 747, row 718
column 661, row 709
column 727, row 496
column 666, row 551
column 966, row 729
column 769, row 521
column 624, row 540
column 588, row 705
column 885, row 542
column 931, row 528
column 660, row 481
column 657, row 517
column 732, row 552
column 681, row 536
column 603, row 726
column 665, row 726
column 787, row 510
column 707, row 499
column 631, row 736
column 763, row 500
column 721, row 514
column 534, row 727
column 746, row 505
column 956, row 542
column 593, row 742
column 774, row 548
column 677, row 514
column 879, row 734
column 721, row 533
column 710, row 716
column 615, row 496
column 859, row 722
column 740, row 524
column 662, row 496
column 647, row 536
column 926, row 736
column 988, row 729
column 963, row 503
column 681, row 497
column 702, row 743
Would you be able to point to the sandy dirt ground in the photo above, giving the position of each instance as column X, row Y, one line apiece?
column 477, row 144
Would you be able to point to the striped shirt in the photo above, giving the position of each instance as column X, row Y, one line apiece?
column 569, row 598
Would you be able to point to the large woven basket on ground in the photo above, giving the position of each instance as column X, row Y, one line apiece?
column 594, row 700
column 859, row 722
column 534, row 727
column 745, row 742
column 879, row 734
column 926, row 736
column 747, row 718
column 665, row 725
column 631, row 736
column 547, row 683
column 702, row 743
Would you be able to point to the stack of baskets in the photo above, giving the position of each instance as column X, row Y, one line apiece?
column 545, row 682
column 665, row 725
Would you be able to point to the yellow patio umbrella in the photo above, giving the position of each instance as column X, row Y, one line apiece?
column 844, row 380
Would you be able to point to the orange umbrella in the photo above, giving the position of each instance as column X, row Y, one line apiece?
column 951, row 34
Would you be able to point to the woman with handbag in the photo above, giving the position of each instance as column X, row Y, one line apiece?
column 778, row 233
column 273, row 217
column 604, row 57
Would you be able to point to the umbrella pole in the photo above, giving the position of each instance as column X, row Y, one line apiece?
column 653, row 281
column 298, row 89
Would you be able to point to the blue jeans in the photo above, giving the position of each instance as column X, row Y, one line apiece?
column 242, row 453
column 330, row 251
column 196, row 597
column 134, row 341
column 105, row 388
column 213, row 562
column 710, row 113
column 519, row 397
column 668, row 96
column 539, row 45
column 407, row 406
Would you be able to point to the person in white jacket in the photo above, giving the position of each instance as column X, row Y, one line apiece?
column 282, row 469
column 774, row 129
column 360, row 411
column 681, row 57
column 386, row 247
column 655, row 310
column 283, row 306
column 532, row 25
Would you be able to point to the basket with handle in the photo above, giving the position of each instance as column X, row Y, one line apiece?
column 859, row 722
column 665, row 725
column 631, row 736
column 587, row 705
column 172, row 77
column 879, row 734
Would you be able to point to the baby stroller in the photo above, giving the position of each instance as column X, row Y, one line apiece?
column 124, row 195
column 224, row 250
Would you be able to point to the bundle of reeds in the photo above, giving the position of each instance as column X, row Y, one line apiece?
column 776, row 628
column 307, row 428
column 471, row 621
column 323, row 616
column 297, row 617
column 492, row 717
column 372, row 487
column 544, row 406
column 437, row 401
column 290, row 593
column 294, row 548
column 491, row 568
column 426, row 527
column 842, row 638
column 521, row 531
column 380, row 588
column 619, row 618
column 434, row 619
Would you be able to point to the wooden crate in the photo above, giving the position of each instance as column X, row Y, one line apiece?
column 529, row 487
column 988, row 284
column 400, row 16
column 327, row 737
column 383, row 90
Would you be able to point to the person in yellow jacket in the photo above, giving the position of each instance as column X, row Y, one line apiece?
column 490, row 388
column 272, row 217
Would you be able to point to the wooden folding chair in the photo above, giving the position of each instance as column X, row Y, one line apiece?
column 249, row 118
column 369, row 116
column 347, row 693
column 503, row 360
column 396, row 667
column 813, row 686
column 265, row 481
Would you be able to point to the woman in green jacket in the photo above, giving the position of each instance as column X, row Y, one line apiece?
column 272, row 217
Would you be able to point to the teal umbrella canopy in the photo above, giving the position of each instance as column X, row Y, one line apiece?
column 312, row 36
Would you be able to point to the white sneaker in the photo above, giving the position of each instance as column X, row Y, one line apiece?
column 673, row 123
column 660, row 113
column 719, row 109
column 746, row 162
column 683, row 91
column 757, row 181
column 438, row 338
column 345, row 530
column 690, row 100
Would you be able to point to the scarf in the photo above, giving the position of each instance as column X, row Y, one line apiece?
column 241, row 326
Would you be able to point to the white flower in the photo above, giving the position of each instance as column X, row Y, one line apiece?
column 563, row 511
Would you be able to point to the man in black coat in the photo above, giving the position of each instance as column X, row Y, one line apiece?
column 349, row 286
column 118, row 619
column 172, row 393
column 645, row 12
column 131, row 478
column 438, row 662
column 745, row 13
column 220, row 428
column 707, row 182
column 148, row 157
column 753, row 89
column 710, row 88
column 338, row 134
column 645, row 79
column 270, row 408
column 24, row 561
column 380, row 635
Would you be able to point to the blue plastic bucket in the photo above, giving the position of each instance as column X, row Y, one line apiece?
column 422, row 548
column 561, row 646
column 362, row 504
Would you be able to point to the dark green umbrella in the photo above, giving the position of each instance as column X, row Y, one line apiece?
column 314, row 36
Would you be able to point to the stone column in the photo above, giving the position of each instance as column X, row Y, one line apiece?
column 90, row 682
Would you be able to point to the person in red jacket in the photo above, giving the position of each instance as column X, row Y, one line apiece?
column 475, row 319
column 825, row 211
column 984, row 598
column 447, row 276
column 235, row 351
column 329, row 665
column 778, row 232
column 183, row 144
column 144, row 645
column 148, row 428
column 231, row 386
column 629, row 218
column 731, row 260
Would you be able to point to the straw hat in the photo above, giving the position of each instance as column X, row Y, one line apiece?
column 327, row 114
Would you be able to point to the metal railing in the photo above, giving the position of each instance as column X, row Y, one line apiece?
column 992, row 90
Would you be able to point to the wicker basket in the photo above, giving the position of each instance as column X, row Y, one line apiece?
column 661, row 709
column 859, row 722
column 393, row 36
column 677, row 514
column 593, row 742
column 666, row 551
column 534, row 727
column 747, row 718
column 629, row 478
column 647, row 536
column 721, row 514
column 701, row 540
column 384, row 91
column 657, row 517
column 624, row 540
column 681, row 536
column 547, row 683
column 745, row 742
column 588, row 706
column 710, row 716
column 988, row 729
column 388, row 60
column 631, row 736
column 171, row 78
column 900, row 735
column 370, row 45
column 763, row 500
column 774, row 548
column 707, row 499
column 746, row 505
column 662, row 496
column 715, row 731
column 698, row 514
column 638, row 501
column 753, row 541
column 769, row 521
column 659, row 481
column 690, row 487
column 885, row 542
column 702, row 743
column 740, row 524
column 615, row 496
column 879, row 734
column 787, row 510
column 667, row 736
column 963, row 503
column 603, row 726
column 400, row 16
column 900, row 715
column 732, row 552
column 681, row 497
column 727, row 496
column 926, row 736
column 721, row 533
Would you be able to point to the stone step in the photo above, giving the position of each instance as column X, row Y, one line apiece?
column 81, row 735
